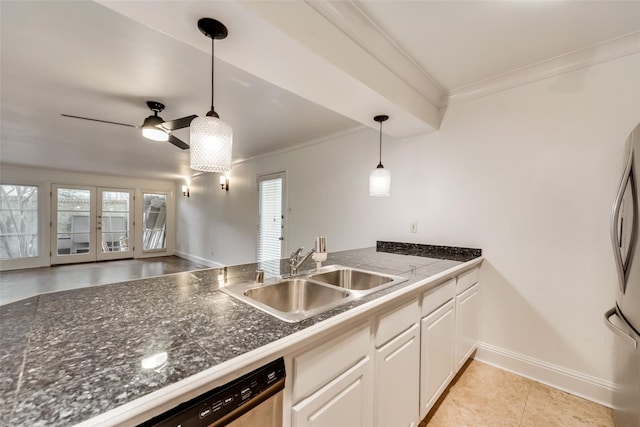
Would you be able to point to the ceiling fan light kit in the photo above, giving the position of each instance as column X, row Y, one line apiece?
column 211, row 138
column 150, row 126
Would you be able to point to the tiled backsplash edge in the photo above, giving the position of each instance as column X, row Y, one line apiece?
column 431, row 251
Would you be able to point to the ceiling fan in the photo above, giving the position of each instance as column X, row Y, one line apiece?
column 154, row 127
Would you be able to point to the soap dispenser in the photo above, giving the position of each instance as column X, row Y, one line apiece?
column 320, row 253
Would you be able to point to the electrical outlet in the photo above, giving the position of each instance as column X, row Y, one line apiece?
column 413, row 227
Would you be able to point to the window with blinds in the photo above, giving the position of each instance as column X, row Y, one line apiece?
column 270, row 221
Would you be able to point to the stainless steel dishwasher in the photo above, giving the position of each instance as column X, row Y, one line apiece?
column 254, row 399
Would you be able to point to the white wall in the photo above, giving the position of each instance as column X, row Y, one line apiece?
column 43, row 178
column 526, row 174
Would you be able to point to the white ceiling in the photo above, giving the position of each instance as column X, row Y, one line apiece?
column 288, row 72
column 462, row 42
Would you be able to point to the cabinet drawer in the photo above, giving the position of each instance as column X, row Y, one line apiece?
column 468, row 279
column 437, row 296
column 318, row 366
column 345, row 401
column 396, row 321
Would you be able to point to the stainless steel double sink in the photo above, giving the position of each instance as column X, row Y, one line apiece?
column 306, row 295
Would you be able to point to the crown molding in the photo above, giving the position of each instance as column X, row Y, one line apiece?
column 351, row 20
column 348, row 17
column 628, row 44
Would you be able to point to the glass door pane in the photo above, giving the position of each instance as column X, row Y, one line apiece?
column 86, row 227
column 154, row 222
column 115, row 220
column 18, row 221
column 73, row 224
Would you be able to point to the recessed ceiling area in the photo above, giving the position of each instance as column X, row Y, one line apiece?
column 289, row 72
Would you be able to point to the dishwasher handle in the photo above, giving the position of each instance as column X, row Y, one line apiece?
column 617, row 329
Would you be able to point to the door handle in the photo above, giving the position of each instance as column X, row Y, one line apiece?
column 618, row 330
column 622, row 265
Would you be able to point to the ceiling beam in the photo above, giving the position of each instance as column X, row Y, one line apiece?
column 292, row 45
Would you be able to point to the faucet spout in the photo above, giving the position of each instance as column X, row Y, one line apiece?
column 295, row 261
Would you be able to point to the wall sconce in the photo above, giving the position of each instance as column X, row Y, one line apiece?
column 224, row 182
column 185, row 190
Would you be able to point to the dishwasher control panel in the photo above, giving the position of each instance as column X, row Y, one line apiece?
column 223, row 404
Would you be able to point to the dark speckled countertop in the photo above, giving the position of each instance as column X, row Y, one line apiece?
column 68, row 356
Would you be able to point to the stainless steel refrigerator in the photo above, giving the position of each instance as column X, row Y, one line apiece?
column 624, row 318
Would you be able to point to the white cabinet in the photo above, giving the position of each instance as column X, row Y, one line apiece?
column 345, row 401
column 397, row 367
column 390, row 369
column 437, row 343
column 437, row 354
column 467, row 317
column 332, row 382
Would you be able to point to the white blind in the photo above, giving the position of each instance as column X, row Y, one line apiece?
column 270, row 218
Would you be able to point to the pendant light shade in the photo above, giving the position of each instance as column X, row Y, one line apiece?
column 211, row 143
column 379, row 182
column 380, row 178
column 211, row 138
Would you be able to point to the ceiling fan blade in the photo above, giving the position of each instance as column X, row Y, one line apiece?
column 97, row 120
column 178, row 142
column 184, row 122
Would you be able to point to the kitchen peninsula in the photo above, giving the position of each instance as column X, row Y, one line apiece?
column 79, row 356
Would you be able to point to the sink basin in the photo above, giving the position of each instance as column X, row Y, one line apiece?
column 307, row 295
column 296, row 295
column 290, row 300
column 361, row 282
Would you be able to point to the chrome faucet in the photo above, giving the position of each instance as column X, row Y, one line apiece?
column 295, row 262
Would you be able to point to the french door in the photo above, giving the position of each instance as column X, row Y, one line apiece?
column 91, row 224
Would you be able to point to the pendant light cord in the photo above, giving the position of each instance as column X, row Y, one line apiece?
column 212, row 70
column 380, row 162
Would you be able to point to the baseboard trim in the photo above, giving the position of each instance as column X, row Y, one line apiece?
column 573, row 382
column 199, row 260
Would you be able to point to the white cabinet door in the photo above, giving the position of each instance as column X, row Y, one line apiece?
column 329, row 358
column 437, row 355
column 467, row 316
column 397, row 371
column 344, row 402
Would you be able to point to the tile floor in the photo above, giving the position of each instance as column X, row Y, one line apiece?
column 485, row 396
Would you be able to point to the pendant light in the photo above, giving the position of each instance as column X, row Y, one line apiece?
column 380, row 178
column 211, row 138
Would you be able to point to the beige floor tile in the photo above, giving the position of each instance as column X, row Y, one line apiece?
column 549, row 407
column 482, row 396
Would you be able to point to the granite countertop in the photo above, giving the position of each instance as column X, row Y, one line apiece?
column 68, row 356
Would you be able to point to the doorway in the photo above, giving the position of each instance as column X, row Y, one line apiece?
column 271, row 220
column 91, row 224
